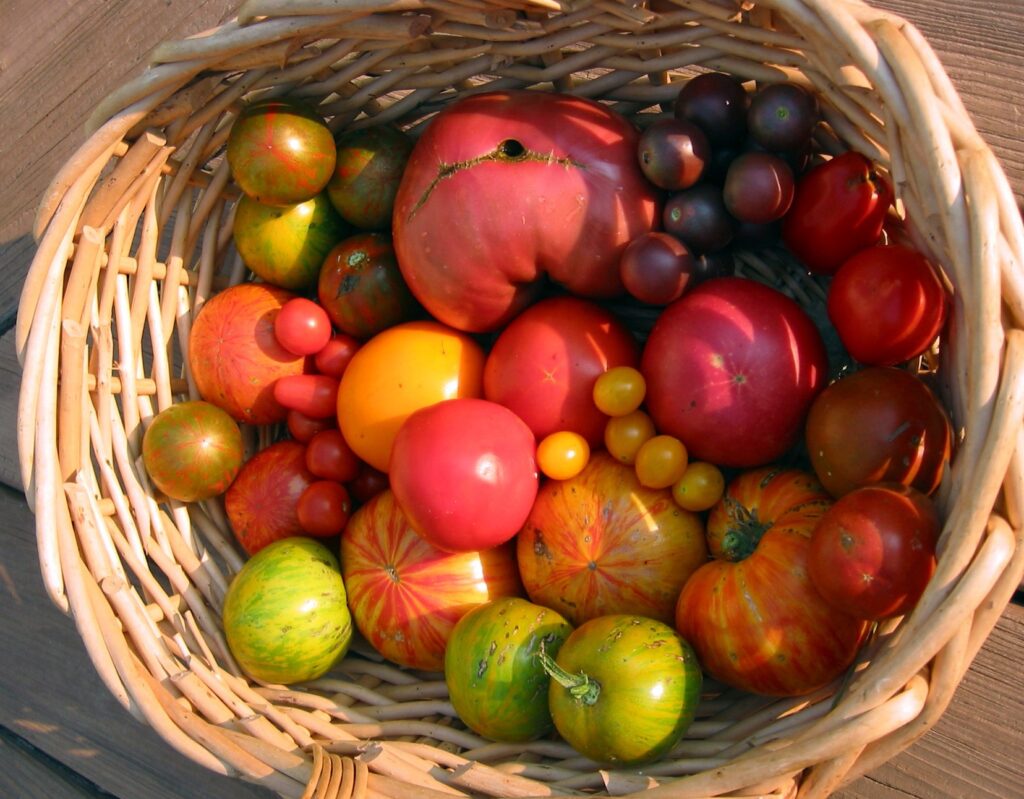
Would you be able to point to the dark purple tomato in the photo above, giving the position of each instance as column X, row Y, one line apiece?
column 758, row 188
column 673, row 153
column 369, row 167
column 656, row 268
column 717, row 103
column 698, row 217
column 361, row 286
column 782, row 117
column 281, row 152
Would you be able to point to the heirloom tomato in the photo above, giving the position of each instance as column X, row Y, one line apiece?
column 752, row 614
column 406, row 594
column 562, row 455
column 624, row 435
column 619, row 390
column 601, row 543
column 323, row 508
column 315, row 396
column 495, row 679
column 368, row 169
column 302, row 327
column 334, row 357
column 700, row 487
column 329, row 457
column 624, row 689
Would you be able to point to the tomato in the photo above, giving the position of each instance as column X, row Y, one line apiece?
column 619, row 391
column 887, row 304
column 281, row 151
column 262, row 502
column 624, row 689
column 328, row 456
column 303, row 427
column 336, row 353
column 624, row 435
column 563, row 454
column 602, row 543
column 367, row 483
column 495, row 679
column 285, row 614
column 315, row 396
column 660, row 461
column 839, row 208
column 464, row 473
column 368, row 169
column 700, row 487
column 323, row 508
column 192, row 451
column 235, row 357
column 873, row 552
column 405, row 594
column 756, row 620
column 545, row 363
column 302, row 327
column 731, row 370
column 880, row 424
column 398, row 371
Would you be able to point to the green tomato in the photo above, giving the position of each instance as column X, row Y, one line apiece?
column 496, row 682
column 624, row 689
column 285, row 614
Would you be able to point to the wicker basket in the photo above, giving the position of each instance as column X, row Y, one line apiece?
column 134, row 235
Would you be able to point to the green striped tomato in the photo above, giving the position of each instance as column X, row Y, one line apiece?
column 624, row 689
column 285, row 614
column 497, row 684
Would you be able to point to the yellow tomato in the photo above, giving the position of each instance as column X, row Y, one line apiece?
column 700, row 487
column 619, row 391
column 397, row 372
column 623, row 435
column 562, row 455
column 661, row 461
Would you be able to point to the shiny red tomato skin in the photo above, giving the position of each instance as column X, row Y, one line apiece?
column 329, row 456
column 302, row 327
column 303, row 428
column 324, row 508
column 873, row 552
column 335, row 355
column 405, row 594
column 464, row 473
column 544, row 364
column 887, row 304
column 315, row 396
column 731, row 369
column 839, row 208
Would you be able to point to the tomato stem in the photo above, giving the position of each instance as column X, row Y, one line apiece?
column 745, row 532
column 582, row 688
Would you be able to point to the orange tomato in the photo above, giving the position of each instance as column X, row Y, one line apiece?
column 397, row 372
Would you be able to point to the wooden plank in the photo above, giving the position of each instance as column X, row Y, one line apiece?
column 28, row 772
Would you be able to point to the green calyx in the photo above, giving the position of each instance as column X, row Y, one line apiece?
column 745, row 531
column 581, row 687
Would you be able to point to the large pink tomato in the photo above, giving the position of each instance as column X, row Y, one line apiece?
column 506, row 187
column 463, row 470
column 732, row 368
column 545, row 363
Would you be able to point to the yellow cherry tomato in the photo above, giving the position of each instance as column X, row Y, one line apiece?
column 624, row 435
column 619, row 391
column 661, row 461
column 700, row 487
column 562, row 455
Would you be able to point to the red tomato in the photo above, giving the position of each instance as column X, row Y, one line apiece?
column 324, row 508
column 464, row 473
column 731, row 369
column 329, row 456
column 405, row 594
column 315, row 396
column 544, row 365
column 334, row 356
column 302, row 327
column 839, row 208
column 888, row 304
column 873, row 552
column 303, row 428
column 368, row 483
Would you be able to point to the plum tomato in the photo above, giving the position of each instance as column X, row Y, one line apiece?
column 700, row 487
column 660, row 461
column 879, row 424
column 673, row 153
column 368, row 170
column 303, row 428
column 562, row 455
column 302, row 327
column 873, row 552
column 887, row 304
column 718, row 104
column 758, row 188
column 323, row 508
column 336, row 353
column 315, row 396
column 782, row 117
column 624, row 435
column 329, row 456
column 698, row 217
column 656, row 268
column 619, row 391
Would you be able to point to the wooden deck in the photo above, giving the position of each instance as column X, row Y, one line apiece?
column 61, row 734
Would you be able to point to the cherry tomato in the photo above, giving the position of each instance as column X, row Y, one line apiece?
column 333, row 358
column 302, row 327
column 367, row 483
column 314, row 395
column 563, row 455
column 329, row 456
column 324, row 508
column 700, row 487
column 887, row 304
column 623, row 435
column 660, row 461
column 619, row 391
column 303, row 427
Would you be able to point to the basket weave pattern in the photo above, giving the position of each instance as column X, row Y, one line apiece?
column 135, row 235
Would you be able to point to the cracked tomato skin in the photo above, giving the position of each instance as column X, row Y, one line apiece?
column 505, row 187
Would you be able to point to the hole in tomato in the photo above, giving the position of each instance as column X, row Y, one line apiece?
column 511, row 148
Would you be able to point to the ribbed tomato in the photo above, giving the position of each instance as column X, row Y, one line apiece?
column 756, row 620
column 405, row 594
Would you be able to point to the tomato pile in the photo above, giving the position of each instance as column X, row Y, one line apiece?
column 476, row 459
